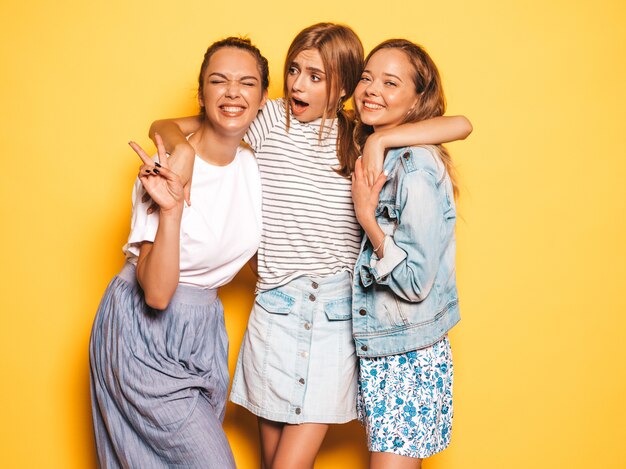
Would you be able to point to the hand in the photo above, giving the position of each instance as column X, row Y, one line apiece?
column 365, row 195
column 182, row 164
column 373, row 158
column 162, row 185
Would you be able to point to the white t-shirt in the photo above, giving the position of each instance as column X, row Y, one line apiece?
column 309, row 225
column 221, row 229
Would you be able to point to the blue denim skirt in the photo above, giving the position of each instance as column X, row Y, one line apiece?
column 297, row 362
column 159, row 379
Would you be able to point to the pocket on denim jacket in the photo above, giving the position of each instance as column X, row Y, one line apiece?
column 339, row 310
column 275, row 302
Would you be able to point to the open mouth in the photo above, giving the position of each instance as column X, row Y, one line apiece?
column 298, row 106
column 372, row 106
column 232, row 110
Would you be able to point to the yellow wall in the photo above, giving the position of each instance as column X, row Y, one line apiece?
column 539, row 360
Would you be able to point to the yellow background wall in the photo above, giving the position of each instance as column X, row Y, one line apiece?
column 539, row 355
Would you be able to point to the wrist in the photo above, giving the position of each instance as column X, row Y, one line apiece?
column 380, row 140
column 366, row 219
column 174, row 213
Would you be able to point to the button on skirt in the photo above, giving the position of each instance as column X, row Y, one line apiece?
column 297, row 362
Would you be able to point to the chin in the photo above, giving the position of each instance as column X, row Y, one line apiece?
column 233, row 128
column 370, row 122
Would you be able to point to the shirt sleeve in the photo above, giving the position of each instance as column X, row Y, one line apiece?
column 272, row 114
column 143, row 226
column 412, row 254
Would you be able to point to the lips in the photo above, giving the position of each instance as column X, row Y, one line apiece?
column 298, row 106
column 370, row 106
column 232, row 110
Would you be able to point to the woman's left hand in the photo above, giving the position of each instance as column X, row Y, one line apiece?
column 364, row 194
column 160, row 182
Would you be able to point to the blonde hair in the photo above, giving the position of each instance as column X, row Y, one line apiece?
column 342, row 55
column 432, row 101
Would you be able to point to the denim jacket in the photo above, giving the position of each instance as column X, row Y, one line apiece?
column 408, row 299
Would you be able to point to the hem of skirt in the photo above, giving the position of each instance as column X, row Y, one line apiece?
column 408, row 454
column 283, row 417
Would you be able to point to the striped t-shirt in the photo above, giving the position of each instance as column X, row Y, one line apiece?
column 309, row 226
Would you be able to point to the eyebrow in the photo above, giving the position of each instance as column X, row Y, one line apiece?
column 387, row 74
column 221, row 75
column 310, row 69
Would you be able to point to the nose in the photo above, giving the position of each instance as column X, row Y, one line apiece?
column 298, row 83
column 372, row 88
column 233, row 89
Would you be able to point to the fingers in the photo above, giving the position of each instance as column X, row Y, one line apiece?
column 142, row 154
column 161, row 152
column 358, row 169
column 146, row 171
column 166, row 173
column 380, row 182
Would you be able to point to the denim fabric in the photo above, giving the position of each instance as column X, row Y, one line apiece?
column 408, row 299
column 297, row 362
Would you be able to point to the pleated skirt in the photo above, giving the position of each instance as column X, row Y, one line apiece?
column 159, row 379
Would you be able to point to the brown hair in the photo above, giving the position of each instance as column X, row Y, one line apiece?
column 237, row 43
column 432, row 101
column 342, row 55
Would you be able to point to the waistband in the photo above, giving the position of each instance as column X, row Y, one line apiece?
column 326, row 288
column 185, row 294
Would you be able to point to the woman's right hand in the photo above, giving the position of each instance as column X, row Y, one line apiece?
column 160, row 182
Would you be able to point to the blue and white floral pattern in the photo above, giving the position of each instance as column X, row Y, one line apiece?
column 405, row 401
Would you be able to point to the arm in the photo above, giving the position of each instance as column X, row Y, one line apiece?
column 412, row 253
column 427, row 132
column 174, row 133
column 365, row 198
column 158, row 266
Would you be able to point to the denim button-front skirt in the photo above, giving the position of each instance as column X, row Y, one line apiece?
column 297, row 362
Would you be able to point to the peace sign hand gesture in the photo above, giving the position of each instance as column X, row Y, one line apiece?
column 160, row 182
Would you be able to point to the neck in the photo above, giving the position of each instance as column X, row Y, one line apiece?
column 215, row 148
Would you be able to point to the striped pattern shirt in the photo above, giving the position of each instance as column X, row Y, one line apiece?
column 309, row 226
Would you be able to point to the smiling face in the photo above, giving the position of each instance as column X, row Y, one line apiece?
column 307, row 86
column 386, row 92
column 231, row 91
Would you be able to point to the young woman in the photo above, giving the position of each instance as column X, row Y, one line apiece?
column 158, row 349
column 405, row 298
column 297, row 367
